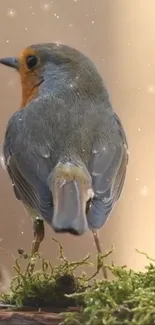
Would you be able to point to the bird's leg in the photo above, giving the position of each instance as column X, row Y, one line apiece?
column 39, row 233
column 98, row 246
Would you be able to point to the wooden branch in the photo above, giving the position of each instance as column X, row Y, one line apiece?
column 29, row 318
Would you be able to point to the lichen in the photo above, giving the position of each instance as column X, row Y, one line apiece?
column 129, row 299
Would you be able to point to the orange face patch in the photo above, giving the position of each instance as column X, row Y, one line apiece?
column 29, row 77
column 22, row 59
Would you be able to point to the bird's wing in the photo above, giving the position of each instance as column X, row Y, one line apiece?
column 108, row 170
column 27, row 169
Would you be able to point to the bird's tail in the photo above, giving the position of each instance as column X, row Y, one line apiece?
column 71, row 188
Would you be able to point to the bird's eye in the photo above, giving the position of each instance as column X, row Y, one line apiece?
column 31, row 61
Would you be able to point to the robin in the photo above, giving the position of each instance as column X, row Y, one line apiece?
column 65, row 149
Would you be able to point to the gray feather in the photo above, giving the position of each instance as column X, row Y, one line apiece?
column 65, row 122
column 108, row 170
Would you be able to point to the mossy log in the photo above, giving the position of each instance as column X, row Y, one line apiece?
column 54, row 296
column 29, row 318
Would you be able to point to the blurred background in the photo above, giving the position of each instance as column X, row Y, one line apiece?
column 119, row 37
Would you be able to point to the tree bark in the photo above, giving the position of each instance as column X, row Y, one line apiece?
column 29, row 318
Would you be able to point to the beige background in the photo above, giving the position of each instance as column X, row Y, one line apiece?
column 119, row 35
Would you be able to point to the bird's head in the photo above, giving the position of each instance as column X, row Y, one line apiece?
column 54, row 67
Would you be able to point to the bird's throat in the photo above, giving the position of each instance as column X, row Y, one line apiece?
column 30, row 90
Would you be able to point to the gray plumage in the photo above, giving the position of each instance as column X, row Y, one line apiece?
column 70, row 120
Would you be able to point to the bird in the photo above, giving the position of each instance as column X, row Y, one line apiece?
column 65, row 148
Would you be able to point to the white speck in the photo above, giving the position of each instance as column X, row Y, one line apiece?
column 46, row 155
column 71, row 85
column 90, row 194
column 46, row 6
column 26, row 28
column 70, row 25
column 58, row 17
column 139, row 129
column 55, row 14
column 2, row 161
column 11, row 12
column 68, row 163
column 95, row 151
column 77, row 77
column 22, row 232
column 33, row 13
column 7, row 41
column 62, row 183
column 137, row 179
column 151, row 89
column 93, row 22
column 144, row 191
column 44, row 152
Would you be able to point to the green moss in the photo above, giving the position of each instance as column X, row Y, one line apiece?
column 48, row 286
column 129, row 299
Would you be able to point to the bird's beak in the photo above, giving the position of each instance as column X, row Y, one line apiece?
column 10, row 62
